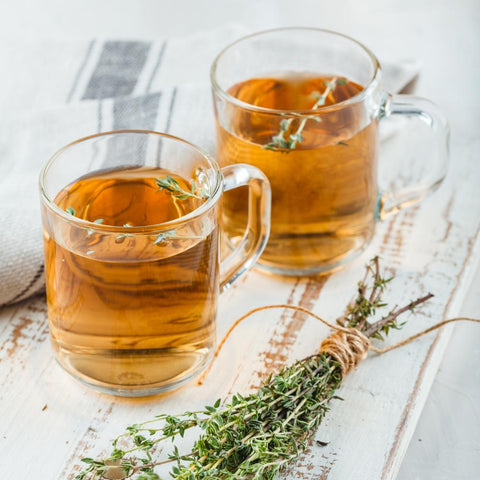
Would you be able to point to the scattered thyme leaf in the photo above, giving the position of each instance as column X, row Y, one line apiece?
column 71, row 211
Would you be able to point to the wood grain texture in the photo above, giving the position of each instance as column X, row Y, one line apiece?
column 431, row 247
column 49, row 421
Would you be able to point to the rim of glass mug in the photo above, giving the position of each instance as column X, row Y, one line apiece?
column 199, row 211
column 370, row 86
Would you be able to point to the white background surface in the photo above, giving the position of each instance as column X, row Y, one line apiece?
column 442, row 34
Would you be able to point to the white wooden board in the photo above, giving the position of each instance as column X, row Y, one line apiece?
column 428, row 248
column 49, row 421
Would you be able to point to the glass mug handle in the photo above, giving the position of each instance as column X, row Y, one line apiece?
column 411, row 106
column 251, row 246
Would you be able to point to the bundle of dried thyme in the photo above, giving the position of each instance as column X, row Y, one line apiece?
column 257, row 436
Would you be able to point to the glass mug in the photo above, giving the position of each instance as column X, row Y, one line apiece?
column 303, row 105
column 132, row 269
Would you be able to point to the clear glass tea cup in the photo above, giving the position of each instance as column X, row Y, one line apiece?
column 304, row 106
column 131, row 235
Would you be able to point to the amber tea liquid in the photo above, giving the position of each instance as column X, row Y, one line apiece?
column 323, row 190
column 131, row 310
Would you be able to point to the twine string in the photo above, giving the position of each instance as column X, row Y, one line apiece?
column 347, row 346
column 348, row 349
column 422, row 333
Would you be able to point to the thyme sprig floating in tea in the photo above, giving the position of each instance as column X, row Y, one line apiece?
column 122, row 236
column 280, row 142
column 257, row 436
column 171, row 185
column 98, row 221
column 162, row 237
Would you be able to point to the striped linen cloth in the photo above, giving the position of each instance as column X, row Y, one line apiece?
column 57, row 92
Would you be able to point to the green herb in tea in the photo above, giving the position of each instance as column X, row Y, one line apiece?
column 122, row 274
column 280, row 141
column 171, row 185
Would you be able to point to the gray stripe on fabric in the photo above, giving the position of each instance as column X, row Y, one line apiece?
column 80, row 70
column 99, row 117
column 131, row 113
column 170, row 110
column 137, row 112
column 117, row 70
column 157, row 67
column 167, row 124
column 95, row 149
column 26, row 290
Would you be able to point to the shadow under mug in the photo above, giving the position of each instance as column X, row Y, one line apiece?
column 325, row 196
column 132, row 309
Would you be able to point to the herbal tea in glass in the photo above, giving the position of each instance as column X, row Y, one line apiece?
column 303, row 105
column 322, row 170
column 130, row 222
column 132, row 309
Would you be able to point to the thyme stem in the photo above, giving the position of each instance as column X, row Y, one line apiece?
column 279, row 142
column 253, row 437
column 375, row 327
column 171, row 185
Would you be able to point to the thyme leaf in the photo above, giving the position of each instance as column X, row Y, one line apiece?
column 162, row 237
column 171, row 185
column 280, row 142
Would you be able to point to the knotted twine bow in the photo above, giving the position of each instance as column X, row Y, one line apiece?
column 347, row 345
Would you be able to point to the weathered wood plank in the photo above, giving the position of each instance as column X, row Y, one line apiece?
column 433, row 247
column 430, row 247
